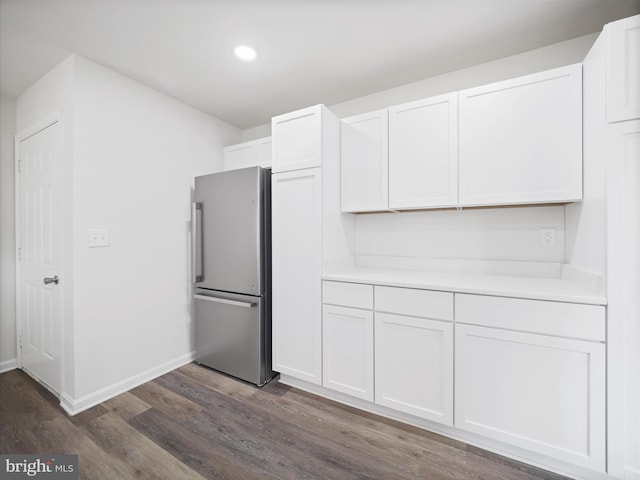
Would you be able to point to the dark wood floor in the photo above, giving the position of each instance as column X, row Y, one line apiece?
column 194, row 423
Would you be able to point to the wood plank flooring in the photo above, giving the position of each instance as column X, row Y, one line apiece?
column 195, row 423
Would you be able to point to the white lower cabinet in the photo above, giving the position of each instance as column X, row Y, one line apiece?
column 412, row 332
column 414, row 366
column 542, row 393
column 528, row 373
column 347, row 350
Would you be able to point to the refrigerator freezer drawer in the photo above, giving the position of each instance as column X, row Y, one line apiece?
column 230, row 335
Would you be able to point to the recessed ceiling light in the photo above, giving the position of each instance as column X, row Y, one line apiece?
column 244, row 52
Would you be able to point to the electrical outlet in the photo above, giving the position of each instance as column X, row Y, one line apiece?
column 547, row 237
column 99, row 237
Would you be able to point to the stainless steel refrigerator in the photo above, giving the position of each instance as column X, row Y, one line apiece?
column 232, row 269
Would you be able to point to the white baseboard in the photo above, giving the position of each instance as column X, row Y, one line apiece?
column 8, row 365
column 500, row 448
column 74, row 406
column 631, row 474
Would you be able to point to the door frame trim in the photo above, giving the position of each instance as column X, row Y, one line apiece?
column 46, row 122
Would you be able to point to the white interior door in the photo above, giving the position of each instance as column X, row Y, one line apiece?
column 40, row 255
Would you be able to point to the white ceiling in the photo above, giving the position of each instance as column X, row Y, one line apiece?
column 308, row 51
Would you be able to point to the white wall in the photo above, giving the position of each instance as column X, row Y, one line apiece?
column 130, row 156
column 545, row 58
column 136, row 155
column 470, row 240
column 7, row 234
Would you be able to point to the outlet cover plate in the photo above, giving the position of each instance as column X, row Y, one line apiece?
column 547, row 237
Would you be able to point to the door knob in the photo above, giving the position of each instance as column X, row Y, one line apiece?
column 54, row 279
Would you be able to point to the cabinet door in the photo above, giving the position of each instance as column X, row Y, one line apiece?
column 241, row 155
column 364, row 162
column 545, row 394
column 264, row 152
column 623, row 69
column 623, row 296
column 297, row 139
column 347, row 350
column 414, row 366
column 296, row 272
column 423, row 153
column 521, row 140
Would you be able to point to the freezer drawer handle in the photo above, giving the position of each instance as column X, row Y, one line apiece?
column 225, row 300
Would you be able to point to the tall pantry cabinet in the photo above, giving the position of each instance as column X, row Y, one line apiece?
column 612, row 151
column 309, row 235
column 617, row 51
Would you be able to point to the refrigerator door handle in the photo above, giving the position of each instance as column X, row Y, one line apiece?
column 198, row 274
column 225, row 300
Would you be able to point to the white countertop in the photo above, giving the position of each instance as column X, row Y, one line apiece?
column 537, row 288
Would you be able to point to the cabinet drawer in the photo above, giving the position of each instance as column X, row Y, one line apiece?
column 419, row 303
column 355, row 295
column 571, row 320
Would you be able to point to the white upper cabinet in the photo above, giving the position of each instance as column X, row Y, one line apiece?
column 623, row 69
column 298, row 139
column 521, row 140
column 239, row 156
column 423, row 153
column 364, row 162
column 263, row 146
column 247, row 154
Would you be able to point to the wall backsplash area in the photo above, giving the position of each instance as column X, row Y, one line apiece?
column 488, row 240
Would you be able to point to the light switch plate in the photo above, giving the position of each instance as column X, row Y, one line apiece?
column 98, row 237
